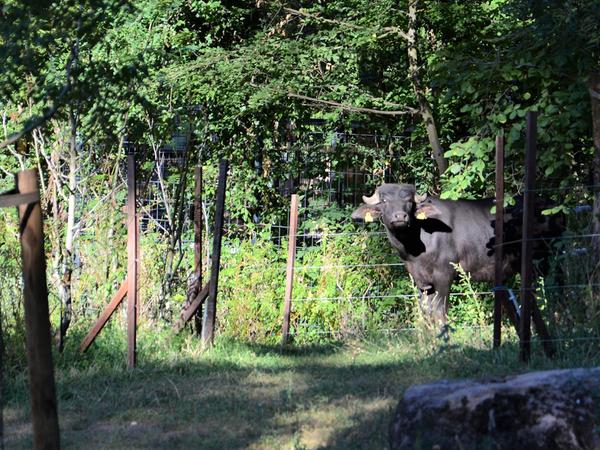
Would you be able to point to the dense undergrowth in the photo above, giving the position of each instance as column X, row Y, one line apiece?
column 348, row 284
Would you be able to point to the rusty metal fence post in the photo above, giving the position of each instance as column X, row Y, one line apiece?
column 132, row 263
column 210, row 312
column 289, row 279
column 499, row 293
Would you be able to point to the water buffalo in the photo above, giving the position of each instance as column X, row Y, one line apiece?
column 432, row 234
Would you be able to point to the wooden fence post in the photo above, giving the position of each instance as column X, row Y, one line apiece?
column 37, row 322
column 529, row 308
column 289, row 278
column 198, row 240
column 210, row 312
column 132, row 263
column 1, row 385
column 499, row 292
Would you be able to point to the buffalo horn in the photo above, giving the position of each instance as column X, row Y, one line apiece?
column 373, row 200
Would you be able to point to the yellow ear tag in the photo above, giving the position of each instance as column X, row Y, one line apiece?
column 368, row 217
column 421, row 215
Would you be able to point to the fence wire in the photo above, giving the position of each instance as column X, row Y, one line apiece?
column 306, row 214
column 342, row 187
column 564, row 188
column 371, row 297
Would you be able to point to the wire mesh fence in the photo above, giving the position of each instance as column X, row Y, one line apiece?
column 328, row 191
column 570, row 252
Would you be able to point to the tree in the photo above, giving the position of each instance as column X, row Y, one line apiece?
column 57, row 48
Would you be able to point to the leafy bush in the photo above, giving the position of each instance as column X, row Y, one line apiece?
column 12, row 324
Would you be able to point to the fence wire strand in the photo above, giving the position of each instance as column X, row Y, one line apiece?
column 348, row 266
column 370, row 297
column 565, row 188
column 344, row 187
column 558, row 238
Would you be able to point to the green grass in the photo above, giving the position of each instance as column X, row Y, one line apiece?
column 240, row 395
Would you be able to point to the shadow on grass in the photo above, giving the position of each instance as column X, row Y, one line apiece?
column 242, row 395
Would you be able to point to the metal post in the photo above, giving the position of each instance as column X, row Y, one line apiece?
column 137, row 271
column 37, row 323
column 289, row 279
column 103, row 319
column 208, row 323
column 594, row 91
column 198, row 240
column 132, row 263
column 527, row 295
column 499, row 294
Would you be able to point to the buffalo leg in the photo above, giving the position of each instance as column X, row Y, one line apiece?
column 440, row 305
column 424, row 302
column 434, row 305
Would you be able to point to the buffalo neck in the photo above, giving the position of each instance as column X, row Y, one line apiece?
column 407, row 241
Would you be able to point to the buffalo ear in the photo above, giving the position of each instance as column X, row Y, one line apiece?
column 420, row 198
column 427, row 211
column 366, row 214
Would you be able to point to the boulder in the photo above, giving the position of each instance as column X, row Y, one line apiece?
column 539, row 410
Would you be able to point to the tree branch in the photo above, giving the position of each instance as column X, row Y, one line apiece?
column 351, row 108
column 420, row 92
column 385, row 30
column 55, row 104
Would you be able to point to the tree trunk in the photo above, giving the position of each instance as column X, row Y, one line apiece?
column 65, row 286
column 594, row 87
column 425, row 108
column 176, row 213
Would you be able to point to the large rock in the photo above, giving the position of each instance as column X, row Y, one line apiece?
column 538, row 410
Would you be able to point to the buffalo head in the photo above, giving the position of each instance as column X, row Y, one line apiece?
column 398, row 205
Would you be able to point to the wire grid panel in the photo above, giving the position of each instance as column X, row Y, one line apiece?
column 309, row 235
column 573, row 247
column 155, row 202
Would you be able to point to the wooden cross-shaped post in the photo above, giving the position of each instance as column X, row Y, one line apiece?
column 42, row 389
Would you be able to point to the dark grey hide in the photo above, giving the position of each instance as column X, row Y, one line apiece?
column 430, row 234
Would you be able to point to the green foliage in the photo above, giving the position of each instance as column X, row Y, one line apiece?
column 470, row 307
column 332, row 289
column 468, row 171
column 12, row 324
column 514, row 64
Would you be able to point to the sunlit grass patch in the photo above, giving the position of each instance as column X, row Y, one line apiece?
column 244, row 395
